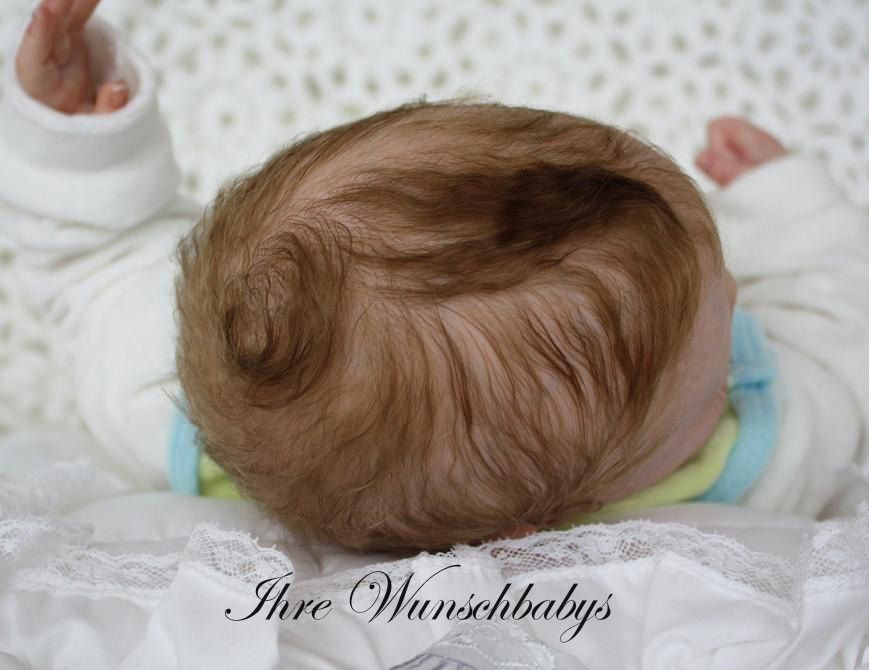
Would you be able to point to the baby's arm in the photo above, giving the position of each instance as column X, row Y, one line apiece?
column 799, row 249
column 90, row 203
column 78, row 186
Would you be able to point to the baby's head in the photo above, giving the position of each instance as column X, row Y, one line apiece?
column 446, row 322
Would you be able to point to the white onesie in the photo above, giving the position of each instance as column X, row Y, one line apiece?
column 92, row 206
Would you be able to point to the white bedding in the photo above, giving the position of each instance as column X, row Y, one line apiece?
column 94, row 576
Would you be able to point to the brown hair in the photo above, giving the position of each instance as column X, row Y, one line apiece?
column 442, row 321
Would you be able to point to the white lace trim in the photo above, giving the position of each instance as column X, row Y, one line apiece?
column 40, row 550
column 834, row 557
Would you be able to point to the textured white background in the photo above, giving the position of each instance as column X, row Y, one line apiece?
column 239, row 78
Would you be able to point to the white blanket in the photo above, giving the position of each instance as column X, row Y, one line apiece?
column 96, row 573
column 96, row 577
column 92, row 206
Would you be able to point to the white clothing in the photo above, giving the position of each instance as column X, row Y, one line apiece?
column 92, row 204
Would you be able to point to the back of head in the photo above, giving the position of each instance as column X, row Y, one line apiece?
column 440, row 322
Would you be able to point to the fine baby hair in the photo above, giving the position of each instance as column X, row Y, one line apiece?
column 441, row 322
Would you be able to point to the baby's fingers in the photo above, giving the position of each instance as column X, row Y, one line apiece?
column 722, row 168
column 32, row 64
column 738, row 137
column 61, row 10
column 80, row 13
column 111, row 97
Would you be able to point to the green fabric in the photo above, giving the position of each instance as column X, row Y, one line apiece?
column 695, row 477
column 213, row 482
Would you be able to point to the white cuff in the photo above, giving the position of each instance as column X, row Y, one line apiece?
column 110, row 170
column 780, row 190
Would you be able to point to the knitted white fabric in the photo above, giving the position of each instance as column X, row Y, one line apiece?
column 100, row 577
column 239, row 78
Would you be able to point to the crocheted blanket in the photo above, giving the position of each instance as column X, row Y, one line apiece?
column 94, row 575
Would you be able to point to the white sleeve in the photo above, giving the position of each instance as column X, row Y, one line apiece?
column 90, row 204
column 799, row 250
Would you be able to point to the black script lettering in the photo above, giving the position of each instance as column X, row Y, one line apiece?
column 564, row 601
column 265, row 595
column 264, row 598
column 465, row 611
column 547, row 615
column 388, row 597
column 608, row 611
column 484, row 604
column 440, row 608
column 566, row 636
column 321, row 604
column 523, row 601
column 503, row 602
column 301, row 607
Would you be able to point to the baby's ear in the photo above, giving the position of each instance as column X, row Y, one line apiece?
column 546, row 203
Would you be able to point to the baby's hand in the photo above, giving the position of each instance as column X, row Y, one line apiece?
column 52, row 62
column 735, row 147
